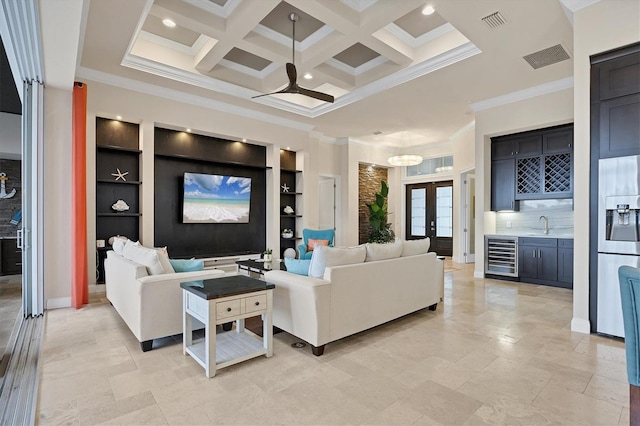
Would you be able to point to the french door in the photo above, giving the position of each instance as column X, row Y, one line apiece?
column 430, row 214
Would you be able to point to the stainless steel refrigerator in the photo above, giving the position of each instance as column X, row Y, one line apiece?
column 618, row 235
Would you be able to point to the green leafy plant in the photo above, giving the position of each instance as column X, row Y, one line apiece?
column 379, row 229
column 268, row 251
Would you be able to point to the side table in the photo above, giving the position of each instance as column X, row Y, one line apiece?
column 219, row 301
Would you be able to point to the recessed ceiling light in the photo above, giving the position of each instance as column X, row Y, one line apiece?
column 244, row 140
column 188, row 130
column 428, row 10
column 308, row 76
column 118, row 117
column 288, row 148
column 168, row 23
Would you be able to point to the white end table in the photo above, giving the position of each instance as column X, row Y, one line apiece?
column 222, row 300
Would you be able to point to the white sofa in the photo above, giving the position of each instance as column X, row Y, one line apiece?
column 354, row 297
column 151, row 305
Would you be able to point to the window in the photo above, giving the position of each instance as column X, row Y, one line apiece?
column 430, row 166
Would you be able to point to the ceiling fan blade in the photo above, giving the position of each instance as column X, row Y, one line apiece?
column 292, row 73
column 285, row 90
column 316, row 95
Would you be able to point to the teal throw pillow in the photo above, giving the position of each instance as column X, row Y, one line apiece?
column 297, row 266
column 187, row 265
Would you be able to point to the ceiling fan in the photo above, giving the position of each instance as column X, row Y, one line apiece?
column 293, row 74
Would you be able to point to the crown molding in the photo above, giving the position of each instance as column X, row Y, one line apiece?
column 284, row 40
column 247, row 70
column 367, row 66
column 463, row 130
column 192, row 50
column 576, row 5
column 209, row 6
column 437, row 62
column 452, row 56
column 179, row 96
column 520, row 95
column 359, row 5
column 415, row 42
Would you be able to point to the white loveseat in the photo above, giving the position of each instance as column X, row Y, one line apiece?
column 151, row 305
column 354, row 297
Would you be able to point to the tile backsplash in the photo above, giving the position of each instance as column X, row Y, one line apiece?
column 527, row 220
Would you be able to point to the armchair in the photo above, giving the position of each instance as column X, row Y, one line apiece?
column 314, row 234
column 630, row 296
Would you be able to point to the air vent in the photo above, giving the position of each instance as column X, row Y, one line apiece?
column 548, row 56
column 377, row 132
column 494, row 20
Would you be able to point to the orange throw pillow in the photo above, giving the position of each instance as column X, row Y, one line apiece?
column 313, row 243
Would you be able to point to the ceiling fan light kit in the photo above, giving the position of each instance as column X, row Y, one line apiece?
column 405, row 160
column 292, row 73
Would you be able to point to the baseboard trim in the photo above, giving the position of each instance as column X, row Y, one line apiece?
column 60, row 302
column 581, row 325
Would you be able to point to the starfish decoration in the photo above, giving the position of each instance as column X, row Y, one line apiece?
column 120, row 175
column 285, row 188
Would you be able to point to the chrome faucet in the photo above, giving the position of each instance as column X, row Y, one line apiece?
column 546, row 224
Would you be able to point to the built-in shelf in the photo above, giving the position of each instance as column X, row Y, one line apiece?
column 117, row 148
column 119, row 182
column 117, row 151
column 119, row 214
column 292, row 178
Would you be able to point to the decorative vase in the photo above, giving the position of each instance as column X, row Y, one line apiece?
column 287, row 233
column 268, row 257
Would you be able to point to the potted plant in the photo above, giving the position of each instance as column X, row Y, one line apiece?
column 379, row 229
column 267, row 255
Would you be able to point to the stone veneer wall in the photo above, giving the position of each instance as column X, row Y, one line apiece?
column 369, row 178
column 10, row 206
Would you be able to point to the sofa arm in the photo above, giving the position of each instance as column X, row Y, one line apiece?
column 302, row 249
column 183, row 276
column 301, row 305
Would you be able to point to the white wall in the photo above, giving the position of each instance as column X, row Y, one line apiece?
column 57, row 197
column 463, row 160
column 10, row 136
column 602, row 26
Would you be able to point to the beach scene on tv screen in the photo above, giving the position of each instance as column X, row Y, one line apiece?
column 216, row 199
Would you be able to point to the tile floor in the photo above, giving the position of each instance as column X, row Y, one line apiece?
column 495, row 353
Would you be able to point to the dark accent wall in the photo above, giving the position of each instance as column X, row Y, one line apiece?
column 369, row 179
column 180, row 152
column 10, row 206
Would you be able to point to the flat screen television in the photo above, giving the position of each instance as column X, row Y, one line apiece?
column 215, row 199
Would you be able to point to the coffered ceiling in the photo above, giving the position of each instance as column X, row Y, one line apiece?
column 390, row 67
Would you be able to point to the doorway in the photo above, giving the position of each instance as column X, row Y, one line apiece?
column 327, row 204
column 430, row 214
column 469, row 215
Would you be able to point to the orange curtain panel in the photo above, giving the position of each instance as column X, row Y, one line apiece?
column 79, row 276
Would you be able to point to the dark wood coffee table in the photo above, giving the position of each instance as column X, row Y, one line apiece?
column 256, row 269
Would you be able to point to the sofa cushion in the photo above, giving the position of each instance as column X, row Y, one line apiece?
column 118, row 244
column 144, row 256
column 187, row 265
column 324, row 256
column 382, row 251
column 315, row 243
column 163, row 256
column 413, row 247
column 297, row 266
